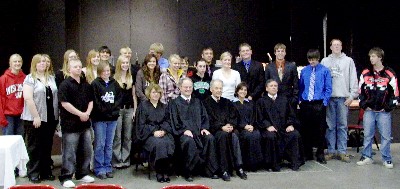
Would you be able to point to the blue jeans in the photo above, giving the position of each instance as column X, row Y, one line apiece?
column 382, row 120
column 336, row 118
column 14, row 127
column 104, row 132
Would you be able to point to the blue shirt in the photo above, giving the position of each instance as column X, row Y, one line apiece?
column 163, row 63
column 322, row 87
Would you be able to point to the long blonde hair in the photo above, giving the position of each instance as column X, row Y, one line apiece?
column 36, row 59
column 65, row 64
column 89, row 66
column 118, row 72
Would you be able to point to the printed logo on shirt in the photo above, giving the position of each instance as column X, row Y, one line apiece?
column 16, row 88
column 201, row 86
column 108, row 97
column 335, row 71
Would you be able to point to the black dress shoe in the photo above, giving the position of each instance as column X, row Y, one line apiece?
column 160, row 178
column 48, row 177
column 102, row 176
column 295, row 167
column 214, row 176
column 109, row 175
column 34, row 180
column 189, row 178
column 241, row 174
column 276, row 168
column 226, row 177
column 166, row 179
column 321, row 160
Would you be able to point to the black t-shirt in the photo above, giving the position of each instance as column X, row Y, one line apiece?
column 78, row 95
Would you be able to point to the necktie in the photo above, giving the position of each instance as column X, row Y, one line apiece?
column 247, row 66
column 280, row 72
column 188, row 101
column 312, row 84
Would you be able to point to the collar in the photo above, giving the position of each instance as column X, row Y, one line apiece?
column 280, row 63
column 273, row 97
column 185, row 98
column 215, row 98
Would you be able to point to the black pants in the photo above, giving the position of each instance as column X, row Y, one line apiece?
column 39, row 146
column 313, row 126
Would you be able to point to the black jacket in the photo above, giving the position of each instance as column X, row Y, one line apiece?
column 107, row 100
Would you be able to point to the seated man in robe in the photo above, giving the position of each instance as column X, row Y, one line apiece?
column 190, row 126
column 275, row 119
column 223, row 120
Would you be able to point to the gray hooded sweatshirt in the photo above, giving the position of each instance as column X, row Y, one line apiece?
column 344, row 75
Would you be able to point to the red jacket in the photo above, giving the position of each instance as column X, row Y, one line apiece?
column 11, row 99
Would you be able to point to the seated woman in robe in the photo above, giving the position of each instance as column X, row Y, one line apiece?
column 154, row 131
column 249, row 136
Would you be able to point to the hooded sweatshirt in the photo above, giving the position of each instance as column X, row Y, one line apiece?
column 344, row 75
column 11, row 99
column 107, row 100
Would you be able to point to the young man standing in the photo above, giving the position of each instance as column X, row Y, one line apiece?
column 285, row 73
column 75, row 125
column 158, row 50
column 344, row 90
column 251, row 72
column 378, row 97
column 207, row 54
column 315, row 89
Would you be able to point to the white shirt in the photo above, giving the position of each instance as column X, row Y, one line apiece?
column 229, row 84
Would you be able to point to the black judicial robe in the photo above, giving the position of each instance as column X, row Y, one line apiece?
column 250, row 142
column 148, row 120
column 201, row 148
column 228, row 147
column 275, row 145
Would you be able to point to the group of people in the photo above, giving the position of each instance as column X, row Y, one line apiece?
column 201, row 119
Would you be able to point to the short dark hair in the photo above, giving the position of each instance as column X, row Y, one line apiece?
column 313, row 54
column 270, row 81
column 104, row 48
column 241, row 85
column 206, row 48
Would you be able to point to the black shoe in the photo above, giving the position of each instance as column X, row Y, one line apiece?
column 214, row 176
column 189, row 178
column 241, row 174
column 321, row 159
column 295, row 167
column 48, row 177
column 109, row 175
column 276, row 168
column 102, row 176
column 34, row 180
column 160, row 178
column 166, row 179
column 226, row 177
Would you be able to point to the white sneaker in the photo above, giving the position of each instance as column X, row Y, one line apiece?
column 388, row 164
column 365, row 161
column 69, row 184
column 87, row 179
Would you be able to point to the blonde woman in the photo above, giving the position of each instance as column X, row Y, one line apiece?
column 169, row 79
column 123, row 133
column 229, row 77
column 11, row 100
column 92, row 61
column 40, row 115
column 63, row 73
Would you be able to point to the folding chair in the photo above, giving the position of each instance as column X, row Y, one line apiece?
column 358, row 128
column 187, row 186
column 32, row 186
column 99, row 186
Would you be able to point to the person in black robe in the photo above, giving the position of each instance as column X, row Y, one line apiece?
column 275, row 119
column 249, row 136
column 154, row 131
column 190, row 126
column 223, row 120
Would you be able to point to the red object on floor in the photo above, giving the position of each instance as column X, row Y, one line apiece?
column 33, row 186
column 186, row 186
column 99, row 186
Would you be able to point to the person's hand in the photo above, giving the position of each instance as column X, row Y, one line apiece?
column 250, row 98
column 37, row 122
column 271, row 129
column 188, row 133
column 84, row 116
column 205, row 132
column 348, row 102
column 159, row 134
column 290, row 128
column 249, row 128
